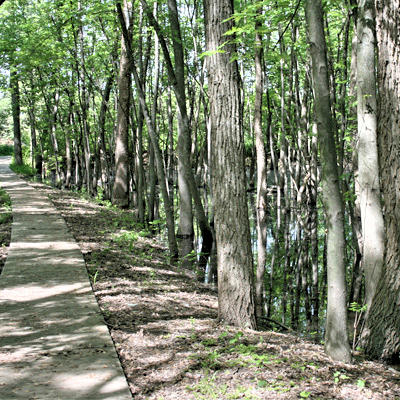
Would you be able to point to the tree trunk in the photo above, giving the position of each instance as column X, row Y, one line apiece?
column 262, row 204
column 84, row 102
column 121, row 185
column 104, row 163
column 368, row 169
column 185, row 229
column 189, row 188
column 336, row 342
column 173, row 247
column 383, row 322
column 16, row 114
column 235, row 262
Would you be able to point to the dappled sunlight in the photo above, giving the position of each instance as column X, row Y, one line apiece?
column 54, row 343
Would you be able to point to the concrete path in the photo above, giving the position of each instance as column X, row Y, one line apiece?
column 53, row 341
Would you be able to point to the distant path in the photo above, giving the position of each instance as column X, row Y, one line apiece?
column 53, row 342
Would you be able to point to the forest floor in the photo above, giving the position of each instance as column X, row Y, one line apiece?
column 163, row 323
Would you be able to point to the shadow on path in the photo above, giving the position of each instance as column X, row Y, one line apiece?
column 53, row 341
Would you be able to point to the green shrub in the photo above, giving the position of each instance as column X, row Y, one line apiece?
column 6, row 150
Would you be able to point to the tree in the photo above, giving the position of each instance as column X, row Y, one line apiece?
column 16, row 113
column 261, row 170
column 368, row 169
column 336, row 342
column 173, row 247
column 383, row 321
column 121, row 185
column 186, row 181
column 235, row 261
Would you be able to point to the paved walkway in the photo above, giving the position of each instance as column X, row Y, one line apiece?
column 53, row 342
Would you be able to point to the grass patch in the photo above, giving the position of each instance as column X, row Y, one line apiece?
column 23, row 169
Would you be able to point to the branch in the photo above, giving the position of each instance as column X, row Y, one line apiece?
column 287, row 26
column 157, row 28
column 277, row 323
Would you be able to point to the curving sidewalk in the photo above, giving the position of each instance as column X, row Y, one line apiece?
column 53, row 341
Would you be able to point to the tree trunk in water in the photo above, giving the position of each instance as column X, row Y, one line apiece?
column 368, row 169
column 121, row 185
column 186, row 177
column 16, row 113
column 235, row 261
column 185, row 229
column 336, row 341
column 383, row 321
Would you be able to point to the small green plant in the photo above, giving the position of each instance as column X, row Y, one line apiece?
column 339, row 376
column 207, row 388
column 361, row 383
column 94, row 277
column 209, row 342
column 304, row 394
column 237, row 337
column 359, row 310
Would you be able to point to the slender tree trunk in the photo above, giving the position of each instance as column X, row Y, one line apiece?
column 336, row 342
column 101, row 141
column 262, row 210
column 36, row 160
column 84, row 102
column 185, row 229
column 235, row 260
column 68, row 149
column 53, row 112
column 121, row 185
column 173, row 247
column 16, row 113
column 177, row 79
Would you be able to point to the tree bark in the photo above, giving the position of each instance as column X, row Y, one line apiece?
column 101, row 141
column 16, row 114
column 121, row 185
column 235, row 262
column 368, row 168
column 383, row 322
column 262, row 204
column 336, row 342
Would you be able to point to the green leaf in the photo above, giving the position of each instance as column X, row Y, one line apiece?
column 361, row 383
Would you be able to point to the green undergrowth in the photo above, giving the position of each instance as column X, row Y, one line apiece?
column 23, row 169
column 5, row 207
column 6, row 149
column 264, row 369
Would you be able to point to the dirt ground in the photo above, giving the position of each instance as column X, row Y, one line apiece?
column 163, row 323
